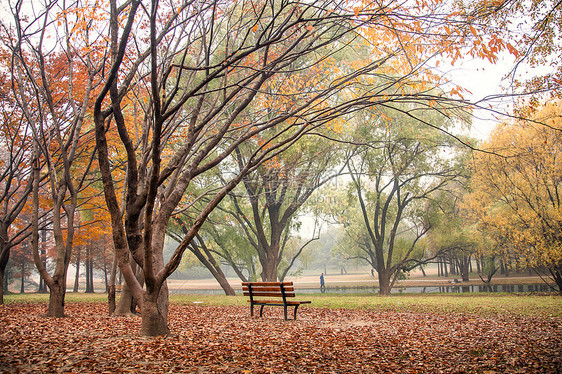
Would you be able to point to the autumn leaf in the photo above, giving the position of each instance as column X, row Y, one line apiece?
column 220, row 339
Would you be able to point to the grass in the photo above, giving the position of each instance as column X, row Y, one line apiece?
column 71, row 297
column 480, row 304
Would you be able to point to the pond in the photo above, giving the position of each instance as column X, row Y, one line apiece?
column 453, row 288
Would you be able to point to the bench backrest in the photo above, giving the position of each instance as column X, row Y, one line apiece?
column 269, row 289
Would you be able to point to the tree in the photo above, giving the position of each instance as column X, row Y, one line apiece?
column 193, row 71
column 22, row 262
column 90, row 238
column 15, row 177
column 15, row 172
column 265, row 208
column 51, row 85
column 276, row 192
column 404, row 164
column 516, row 190
column 452, row 233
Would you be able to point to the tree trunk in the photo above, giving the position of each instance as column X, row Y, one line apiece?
column 209, row 262
column 556, row 275
column 240, row 274
column 87, row 273
column 125, row 304
column 154, row 313
column 228, row 290
column 478, row 268
column 505, row 269
column 77, row 276
column 559, row 285
column 269, row 270
column 89, row 270
column 92, row 274
column 57, row 292
column 2, row 284
column 464, row 266
column 42, row 283
column 4, row 257
column 105, row 278
column 42, row 286
column 111, row 287
column 22, row 288
column 384, row 283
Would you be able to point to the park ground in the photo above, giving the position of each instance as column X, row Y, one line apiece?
column 484, row 333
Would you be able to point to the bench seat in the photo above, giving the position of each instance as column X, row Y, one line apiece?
column 281, row 290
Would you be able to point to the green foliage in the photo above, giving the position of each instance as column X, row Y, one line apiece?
column 396, row 164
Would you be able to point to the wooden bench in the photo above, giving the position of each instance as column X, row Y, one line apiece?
column 257, row 291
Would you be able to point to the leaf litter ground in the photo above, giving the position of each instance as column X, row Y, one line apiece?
column 225, row 339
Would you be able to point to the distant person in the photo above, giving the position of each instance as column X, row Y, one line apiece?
column 322, row 284
column 372, row 273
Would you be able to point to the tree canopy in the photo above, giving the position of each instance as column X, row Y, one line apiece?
column 516, row 190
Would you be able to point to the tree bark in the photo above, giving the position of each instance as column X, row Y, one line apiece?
column 105, row 277
column 384, row 283
column 111, row 287
column 125, row 306
column 463, row 264
column 217, row 272
column 57, row 293
column 43, row 255
column 154, row 313
column 89, row 270
column 77, row 275
column 4, row 257
column 269, row 267
column 3, row 286
column 22, row 288
column 207, row 259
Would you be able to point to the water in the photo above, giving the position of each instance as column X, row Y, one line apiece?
column 539, row 287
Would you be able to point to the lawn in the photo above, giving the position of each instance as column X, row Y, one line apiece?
column 338, row 334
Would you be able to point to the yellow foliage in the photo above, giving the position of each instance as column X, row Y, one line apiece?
column 516, row 188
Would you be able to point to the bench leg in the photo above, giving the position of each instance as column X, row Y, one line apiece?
column 261, row 310
column 285, row 311
column 251, row 310
column 296, row 307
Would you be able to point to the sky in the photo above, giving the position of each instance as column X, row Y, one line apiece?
column 484, row 80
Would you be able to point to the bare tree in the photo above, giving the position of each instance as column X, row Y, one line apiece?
column 390, row 182
column 275, row 193
column 51, row 86
column 15, row 178
column 196, row 68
